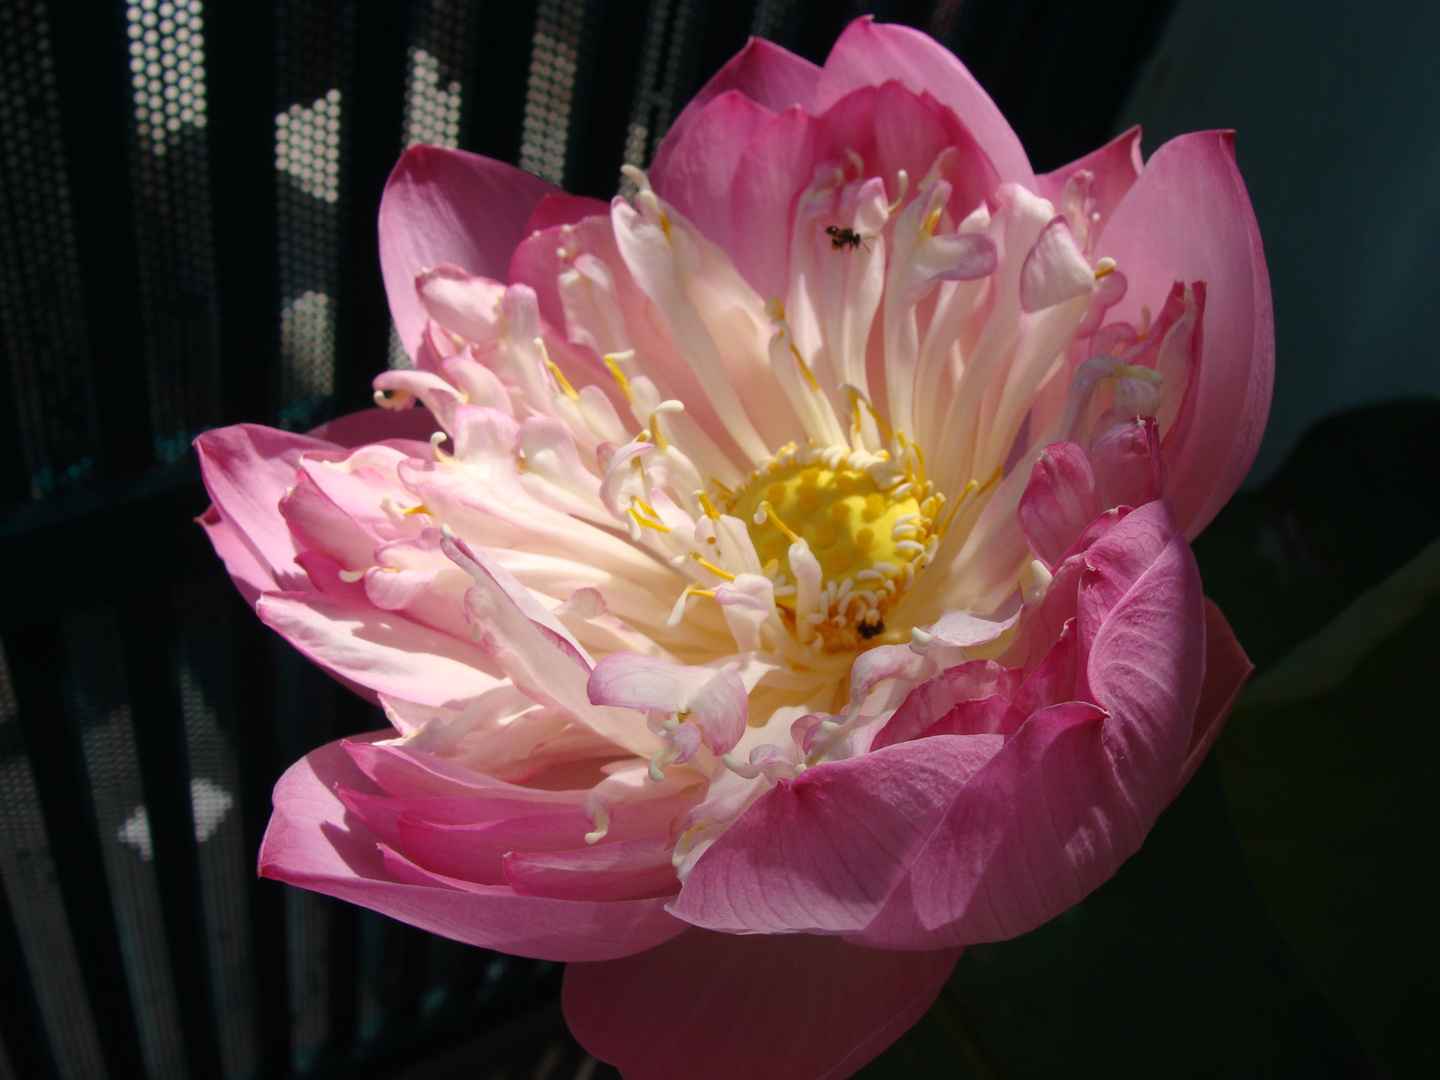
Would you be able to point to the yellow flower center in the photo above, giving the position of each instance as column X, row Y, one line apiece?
column 868, row 521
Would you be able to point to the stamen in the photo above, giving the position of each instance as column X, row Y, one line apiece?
column 708, row 565
column 766, row 508
column 435, row 440
column 707, row 506
column 620, row 379
column 602, row 824
column 564, row 383
column 902, row 179
column 1104, row 267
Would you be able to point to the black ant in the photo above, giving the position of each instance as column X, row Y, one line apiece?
column 845, row 238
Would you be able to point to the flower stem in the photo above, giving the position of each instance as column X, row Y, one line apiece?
column 950, row 1018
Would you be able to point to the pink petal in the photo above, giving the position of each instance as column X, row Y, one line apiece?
column 822, row 852
column 378, row 649
column 563, row 209
column 932, row 699
column 870, row 53
column 250, row 575
column 1058, row 502
column 1188, row 218
column 247, row 470
column 716, row 700
column 313, row 842
column 1114, row 168
column 708, row 1006
column 772, row 77
column 461, row 302
column 443, row 205
column 1127, row 463
column 378, row 425
column 1227, row 669
column 1075, row 791
column 629, row 869
column 775, row 166
column 701, row 165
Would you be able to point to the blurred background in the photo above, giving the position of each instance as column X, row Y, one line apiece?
column 187, row 239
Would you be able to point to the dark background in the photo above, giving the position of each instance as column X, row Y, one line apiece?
column 187, row 239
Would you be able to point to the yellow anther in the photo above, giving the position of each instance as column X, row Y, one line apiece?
column 620, row 379
column 1104, row 267
column 774, row 517
column 421, row 509
column 707, row 506
column 708, row 565
column 655, row 427
column 804, row 367
column 932, row 220
column 726, row 493
column 561, row 381
column 651, row 522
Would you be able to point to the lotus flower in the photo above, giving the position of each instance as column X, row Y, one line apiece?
column 786, row 580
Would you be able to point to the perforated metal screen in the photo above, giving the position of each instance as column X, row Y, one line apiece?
column 187, row 239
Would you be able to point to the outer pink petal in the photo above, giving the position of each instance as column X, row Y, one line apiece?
column 770, row 76
column 1227, row 669
column 823, row 851
column 1115, row 166
column 247, row 470
column 701, row 165
column 1075, row 791
column 313, row 842
column 443, row 205
column 709, row 1006
column 1188, row 218
column 870, row 53
column 564, row 209
column 775, row 167
column 377, row 425
column 381, row 650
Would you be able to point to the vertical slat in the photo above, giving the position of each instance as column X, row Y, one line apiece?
column 97, row 702
column 22, row 1028
column 373, row 126
column 494, row 126
column 92, row 77
column 252, row 653
column 242, row 155
column 36, row 651
column 147, row 634
column 597, row 146
column 44, row 965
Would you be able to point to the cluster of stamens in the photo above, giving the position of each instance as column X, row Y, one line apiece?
column 869, row 520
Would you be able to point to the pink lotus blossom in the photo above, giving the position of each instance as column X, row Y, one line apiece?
column 796, row 587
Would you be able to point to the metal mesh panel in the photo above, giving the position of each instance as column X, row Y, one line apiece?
column 99, row 706
column 28, row 873
column 311, row 40
column 171, row 181
column 41, row 303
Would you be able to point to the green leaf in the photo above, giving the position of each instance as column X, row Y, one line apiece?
column 1330, row 766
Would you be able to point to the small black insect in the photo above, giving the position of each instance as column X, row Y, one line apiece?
column 845, row 238
column 870, row 629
